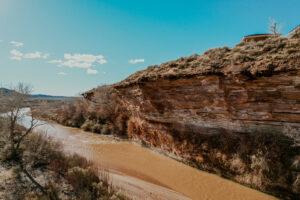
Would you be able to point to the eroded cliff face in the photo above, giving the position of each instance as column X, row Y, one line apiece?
column 242, row 129
column 235, row 112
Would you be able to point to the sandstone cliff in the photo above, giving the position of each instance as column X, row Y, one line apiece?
column 235, row 112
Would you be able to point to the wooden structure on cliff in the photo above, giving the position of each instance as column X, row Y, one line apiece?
column 257, row 37
column 263, row 36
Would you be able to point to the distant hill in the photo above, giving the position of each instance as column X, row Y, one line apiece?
column 49, row 97
column 5, row 91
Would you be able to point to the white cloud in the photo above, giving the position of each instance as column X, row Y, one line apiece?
column 82, row 61
column 91, row 71
column 62, row 73
column 136, row 61
column 17, row 44
column 18, row 55
column 36, row 55
column 55, row 61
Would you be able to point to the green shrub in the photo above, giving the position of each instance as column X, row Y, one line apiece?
column 87, row 125
column 97, row 128
column 105, row 130
column 82, row 179
column 40, row 151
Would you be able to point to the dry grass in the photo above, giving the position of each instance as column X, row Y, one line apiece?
column 63, row 176
column 251, row 59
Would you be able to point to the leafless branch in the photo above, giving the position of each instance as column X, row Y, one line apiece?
column 14, row 101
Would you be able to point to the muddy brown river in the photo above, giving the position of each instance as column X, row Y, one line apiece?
column 142, row 173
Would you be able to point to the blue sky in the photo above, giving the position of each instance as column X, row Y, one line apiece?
column 63, row 47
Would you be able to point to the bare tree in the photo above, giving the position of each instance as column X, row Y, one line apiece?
column 13, row 102
column 274, row 27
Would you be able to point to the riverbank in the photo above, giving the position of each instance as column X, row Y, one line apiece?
column 131, row 164
column 41, row 169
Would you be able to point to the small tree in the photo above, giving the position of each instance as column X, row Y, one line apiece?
column 274, row 27
column 13, row 102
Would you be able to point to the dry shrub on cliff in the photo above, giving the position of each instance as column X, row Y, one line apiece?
column 101, row 113
column 252, row 59
column 108, row 110
column 262, row 158
column 105, row 103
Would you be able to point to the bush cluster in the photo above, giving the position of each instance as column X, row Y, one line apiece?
column 102, row 113
column 63, row 176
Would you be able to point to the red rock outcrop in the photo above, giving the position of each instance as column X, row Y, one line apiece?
column 235, row 112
